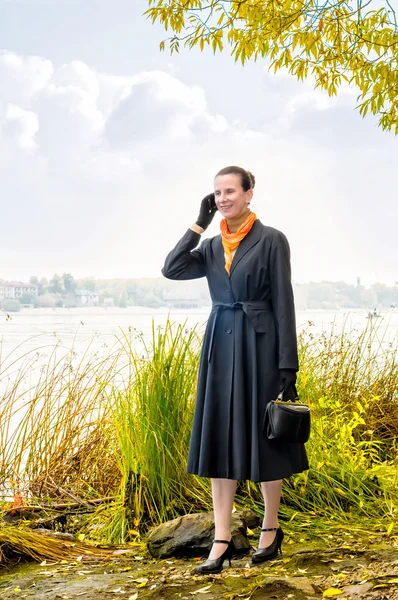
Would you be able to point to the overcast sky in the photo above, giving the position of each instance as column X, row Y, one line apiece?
column 107, row 147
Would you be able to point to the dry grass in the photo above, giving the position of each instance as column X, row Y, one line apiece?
column 22, row 543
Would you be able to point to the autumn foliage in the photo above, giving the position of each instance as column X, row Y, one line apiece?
column 337, row 42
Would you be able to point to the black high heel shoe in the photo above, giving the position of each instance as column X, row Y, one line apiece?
column 271, row 551
column 212, row 566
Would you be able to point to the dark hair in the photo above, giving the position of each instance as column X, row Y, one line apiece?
column 247, row 179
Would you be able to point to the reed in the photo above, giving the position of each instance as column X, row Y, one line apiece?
column 51, row 432
column 151, row 419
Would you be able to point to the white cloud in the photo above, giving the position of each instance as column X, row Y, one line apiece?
column 22, row 125
column 23, row 76
column 103, row 172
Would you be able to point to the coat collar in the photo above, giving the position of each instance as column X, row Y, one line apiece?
column 246, row 244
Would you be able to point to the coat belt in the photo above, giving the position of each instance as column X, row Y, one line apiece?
column 217, row 307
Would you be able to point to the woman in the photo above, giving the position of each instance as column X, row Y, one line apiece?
column 249, row 355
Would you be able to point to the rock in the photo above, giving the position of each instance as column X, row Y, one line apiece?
column 192, row 535
column 359, row 588
column 296, row 583
column 250, row 518
column 56, row 534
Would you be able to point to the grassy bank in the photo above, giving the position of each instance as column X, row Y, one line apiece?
column 119, row 427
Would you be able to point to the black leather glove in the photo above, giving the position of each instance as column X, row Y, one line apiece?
column 288, row 384
column 207, row 211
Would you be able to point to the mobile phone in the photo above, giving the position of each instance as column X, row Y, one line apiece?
column 212, row 201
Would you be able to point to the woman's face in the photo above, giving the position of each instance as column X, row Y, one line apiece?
column 231, row 199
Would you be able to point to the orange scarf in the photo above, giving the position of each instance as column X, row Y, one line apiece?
column 231, row 241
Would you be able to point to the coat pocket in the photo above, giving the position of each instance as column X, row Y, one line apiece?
column 259, row 319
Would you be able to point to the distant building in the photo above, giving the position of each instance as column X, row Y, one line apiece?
column 85, row 298
column 16, row 289
column 187, row 301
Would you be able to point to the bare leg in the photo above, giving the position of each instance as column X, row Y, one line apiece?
column 223, row 492
column 271, row 491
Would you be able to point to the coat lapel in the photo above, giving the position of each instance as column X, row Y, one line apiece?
column 248, row 242
column 219, row 254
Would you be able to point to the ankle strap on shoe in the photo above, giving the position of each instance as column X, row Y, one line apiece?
column 271, row 529
column 221, row 541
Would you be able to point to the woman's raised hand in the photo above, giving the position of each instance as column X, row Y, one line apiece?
column 207, row 211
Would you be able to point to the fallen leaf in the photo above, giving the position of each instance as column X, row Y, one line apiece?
column 81, row 537
column 133, row 597
column 204, row 590
column 332, row 592
column 390, row 528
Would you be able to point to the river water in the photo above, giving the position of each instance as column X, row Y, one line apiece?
column 98, row 328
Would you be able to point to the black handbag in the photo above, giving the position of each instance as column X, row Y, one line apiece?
column 287, row 421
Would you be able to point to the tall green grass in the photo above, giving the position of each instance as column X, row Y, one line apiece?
column 120, row 426
column 150, row 429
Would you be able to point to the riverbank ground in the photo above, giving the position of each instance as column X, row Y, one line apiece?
column 345, row 565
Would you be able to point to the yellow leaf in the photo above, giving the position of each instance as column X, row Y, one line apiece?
column 80, row 537
column 390, row 528
column 331, row 592
column 204, row 590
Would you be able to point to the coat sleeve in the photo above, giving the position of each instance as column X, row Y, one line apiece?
column 283, row 302
column 183, row 262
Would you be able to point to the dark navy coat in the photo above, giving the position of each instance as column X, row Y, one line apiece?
column 250, row 335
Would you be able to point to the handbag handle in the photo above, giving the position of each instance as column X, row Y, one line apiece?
column 280, row 398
